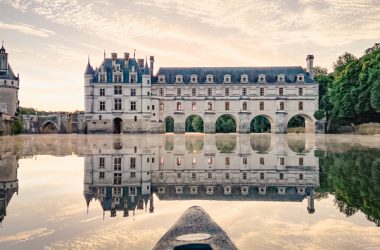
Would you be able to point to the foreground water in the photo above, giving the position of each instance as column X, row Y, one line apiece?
column 125, row 192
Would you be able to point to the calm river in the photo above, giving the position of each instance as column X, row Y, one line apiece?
column 125, row 192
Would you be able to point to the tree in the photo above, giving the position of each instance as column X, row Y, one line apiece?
column 260, row 124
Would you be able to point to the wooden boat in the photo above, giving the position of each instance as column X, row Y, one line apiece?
column 195, row 230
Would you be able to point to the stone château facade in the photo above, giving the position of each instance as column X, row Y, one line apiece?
column 9, row 85
column 124, row 96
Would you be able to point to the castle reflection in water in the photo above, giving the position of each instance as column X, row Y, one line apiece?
column 124, row 173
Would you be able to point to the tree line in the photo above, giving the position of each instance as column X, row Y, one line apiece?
column 350, row 95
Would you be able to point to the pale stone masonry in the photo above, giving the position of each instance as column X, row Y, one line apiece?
column 124, row 96
column 9, row 86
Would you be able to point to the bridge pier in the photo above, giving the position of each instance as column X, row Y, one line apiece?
column 244, row 124
column 281, row 124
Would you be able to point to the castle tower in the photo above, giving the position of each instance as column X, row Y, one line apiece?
column 88, row 87
column 9, row 85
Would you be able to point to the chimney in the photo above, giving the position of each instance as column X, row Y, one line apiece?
column 140, row 62
column 151, row 64
column 114, row 56
column 309, row 65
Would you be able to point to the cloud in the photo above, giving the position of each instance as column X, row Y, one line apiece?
column 27, row 29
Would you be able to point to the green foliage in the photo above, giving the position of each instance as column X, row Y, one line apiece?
column 319, row 114
column 354, row 178
column 351, row 94
column 169, row 124
column 32, row 111
column 296, row 122
column 260, row 124
column 225, row 124
column 194, row 123
column 17, row 127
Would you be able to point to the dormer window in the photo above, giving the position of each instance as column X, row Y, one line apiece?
column 281, row 78
column 193, row 78
column 261, row 78
column 179, row 79
column 133, row 68
column 244, row 78
column 300, row 77
column 209, row 78
column 161, row 79
column 227, row 78
column 102, row 78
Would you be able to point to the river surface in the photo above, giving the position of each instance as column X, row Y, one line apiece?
column 125, row 192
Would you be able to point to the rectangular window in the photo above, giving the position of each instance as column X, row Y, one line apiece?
column 161, row 106
column 152, row 160
column 300, row 91
column 117, row 178
column 179, row 92
column 227, row 106
column 133, row 163
column 281, row 91
column 227, row 161
column 117, row 90
column 209, row 91
column 262, row 176
column 133, row 92
column 102, row 78
column 194, row 161
column 100, row 117
column 209, row 160
column 261, row 91
column 281, row 176
column 261, row 105
column 117, row 78
column 117, row 164
column 227, row 176
column 193, row 175
column 301, row 176
column 193, row 92
column 133, row 105
column 102, row 92
column 133, row 175
column 282, row 106
column 193, row 106
column 102, row 106
column 244, row 176
column 101, row 175
column 101, row 162
column 117, row 104
column 135, row 118
column 300, row 161
column 209, row 175
column 178, row 175
column 133, row 78
column 161, row 92
column 245, row 161
column 152, row 107
column 300, row 105
column 244, row 92
column 282, row 161
column 262, row 161
column 227, row 92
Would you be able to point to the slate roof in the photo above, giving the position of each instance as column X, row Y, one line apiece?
column 107, row 64
column 235, row 72
column 8, row 74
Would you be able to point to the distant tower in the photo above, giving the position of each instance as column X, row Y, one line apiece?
column 88, row 87
column 9, row 85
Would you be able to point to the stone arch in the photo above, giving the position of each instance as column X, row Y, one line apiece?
column 49, row 127
column 261, row 124
column 226, row 124
column 296, row 122
column 194, row 123
column 117, row 125
column 169, row 124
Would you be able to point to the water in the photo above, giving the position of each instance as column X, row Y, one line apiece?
column 125, row 192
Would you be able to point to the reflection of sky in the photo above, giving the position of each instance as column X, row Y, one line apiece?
column 49, row 40
column 50, row 211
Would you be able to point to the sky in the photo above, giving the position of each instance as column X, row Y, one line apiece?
column 49, row 41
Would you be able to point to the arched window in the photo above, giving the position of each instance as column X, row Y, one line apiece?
column 245, row 106
column 209, row 106
column 179, row 106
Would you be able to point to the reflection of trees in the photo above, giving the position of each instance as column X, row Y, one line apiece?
column 194, row 143
column 297, row 145
column 194, row 123
column 260, row 143
column 354, row 178
column 225, row 144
